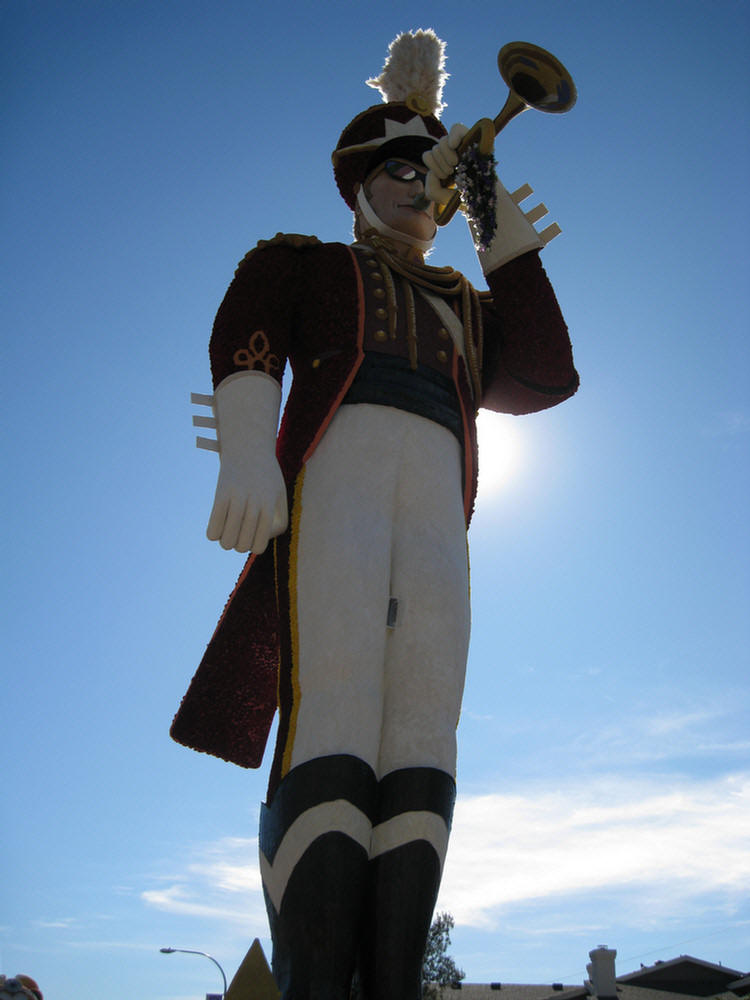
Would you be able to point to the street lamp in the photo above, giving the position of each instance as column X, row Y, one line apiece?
column 187, row 951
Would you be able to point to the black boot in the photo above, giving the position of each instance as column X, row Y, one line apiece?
column 410, row 837
column 314, row 843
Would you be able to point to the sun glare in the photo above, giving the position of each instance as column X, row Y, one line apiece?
column 499, row 451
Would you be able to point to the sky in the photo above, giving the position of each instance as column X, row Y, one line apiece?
column 604, row 755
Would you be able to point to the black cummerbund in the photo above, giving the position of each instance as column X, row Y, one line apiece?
column 388, row 380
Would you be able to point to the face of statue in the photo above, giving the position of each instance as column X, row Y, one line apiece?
column 391, row 191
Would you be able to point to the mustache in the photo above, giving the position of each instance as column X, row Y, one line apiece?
column 416, row 205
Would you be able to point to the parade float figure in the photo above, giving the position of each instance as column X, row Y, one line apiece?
column 19, row 988
column 354, row 621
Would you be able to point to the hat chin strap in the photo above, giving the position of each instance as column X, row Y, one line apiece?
column 394, row 234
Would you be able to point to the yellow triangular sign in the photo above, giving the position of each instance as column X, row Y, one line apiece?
column 253, row 980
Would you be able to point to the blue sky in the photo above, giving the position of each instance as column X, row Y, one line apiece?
column 604, row 774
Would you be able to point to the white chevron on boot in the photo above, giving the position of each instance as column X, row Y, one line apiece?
column 338, row 816
column 410, row 826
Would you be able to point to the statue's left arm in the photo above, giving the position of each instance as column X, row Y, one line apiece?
column 527, row 357
column 528, row 360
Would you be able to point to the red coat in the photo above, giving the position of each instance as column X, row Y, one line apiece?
column 297, row 299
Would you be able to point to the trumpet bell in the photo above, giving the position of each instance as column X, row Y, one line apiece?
column 537, row 77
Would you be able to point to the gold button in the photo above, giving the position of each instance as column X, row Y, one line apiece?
column 380, row 312
column 316, row 363
column 381, row 335
column 379, row 293
column 443, row 333
column 371, row 263
column 442, row 356
column 376, row 276
column 393, row 335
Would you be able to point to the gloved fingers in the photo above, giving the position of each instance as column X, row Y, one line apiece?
column 441, row 160
column 428, row 158
column 233, row 525
column 259, row 526
column 245, row 537
column 446, row 157
column 456, row 134
column 217, row 519
column 261, row 532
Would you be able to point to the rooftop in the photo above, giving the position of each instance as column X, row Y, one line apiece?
column 686, row 977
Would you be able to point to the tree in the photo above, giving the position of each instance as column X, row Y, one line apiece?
column 438, row 968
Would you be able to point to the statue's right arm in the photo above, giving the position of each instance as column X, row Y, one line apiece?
column 248, row 349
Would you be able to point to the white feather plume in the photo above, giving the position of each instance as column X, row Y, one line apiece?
column 415, row 65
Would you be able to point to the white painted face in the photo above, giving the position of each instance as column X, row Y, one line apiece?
column 391, row 191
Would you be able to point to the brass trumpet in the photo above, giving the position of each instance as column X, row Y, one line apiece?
column 536, row 79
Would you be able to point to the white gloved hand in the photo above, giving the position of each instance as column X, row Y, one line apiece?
column 515, row 233
column 441, row 162
column 250, row 505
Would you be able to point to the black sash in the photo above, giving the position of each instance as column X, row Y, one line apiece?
column 388, row 380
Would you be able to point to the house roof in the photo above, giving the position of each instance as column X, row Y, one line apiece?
column 684, row 975
column 518, row 991
column 510, row 991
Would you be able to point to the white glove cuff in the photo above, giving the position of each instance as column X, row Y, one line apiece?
column 515, row 233
column 247, row 402
column 268, row 404
column 237, row 378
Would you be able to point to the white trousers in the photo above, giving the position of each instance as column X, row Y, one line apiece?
column 379, row 520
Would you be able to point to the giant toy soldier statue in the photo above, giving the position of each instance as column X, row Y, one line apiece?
column 355, row 620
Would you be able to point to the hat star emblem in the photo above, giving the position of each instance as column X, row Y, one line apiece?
column 415, row 126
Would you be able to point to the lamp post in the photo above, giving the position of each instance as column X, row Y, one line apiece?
column 187, row 951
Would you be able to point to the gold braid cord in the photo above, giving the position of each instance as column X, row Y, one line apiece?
column 443, row 281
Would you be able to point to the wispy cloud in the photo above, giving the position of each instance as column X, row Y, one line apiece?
column 669, row 841
column 62, row 923
column 649, row 735
column 725, row 747
column 111, row 944
column 221, row 881
column 728, row 423
column 673, row 840
column 705, row 739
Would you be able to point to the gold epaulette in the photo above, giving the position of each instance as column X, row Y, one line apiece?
column 295, row 240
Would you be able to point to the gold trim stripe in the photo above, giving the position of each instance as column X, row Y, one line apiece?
column 293, row 622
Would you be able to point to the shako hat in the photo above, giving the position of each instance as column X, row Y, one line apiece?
column 407, row 124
